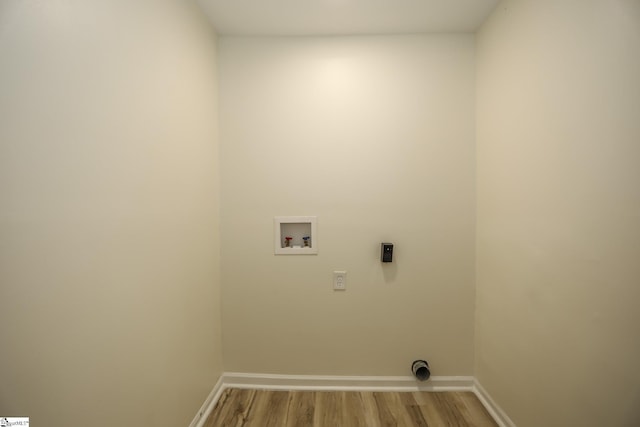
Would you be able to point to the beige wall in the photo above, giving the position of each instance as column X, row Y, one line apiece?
column 375, row 136
column 558, row 233
column 109, row 194
column 109, row 274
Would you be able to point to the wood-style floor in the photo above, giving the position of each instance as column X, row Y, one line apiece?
column 261, row 408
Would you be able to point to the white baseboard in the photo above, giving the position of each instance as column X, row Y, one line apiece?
column 346, row 383
column 209, row 403
column 496, row 412
column 338, row 383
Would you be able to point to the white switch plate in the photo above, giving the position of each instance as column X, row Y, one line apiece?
column 340, row 280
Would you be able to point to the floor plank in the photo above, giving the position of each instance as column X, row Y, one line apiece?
column 371, row 414
column 412, row 407
column 301, row 409
column 354, row 410
column 476, row 411
column 232, row 408
column 327, row 411
column 261, row 408
column 269, row 409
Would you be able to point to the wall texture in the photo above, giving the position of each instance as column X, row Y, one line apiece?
column 109, row 275
column 558, row 231
column 375, row 136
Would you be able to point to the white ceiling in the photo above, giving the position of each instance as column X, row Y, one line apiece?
column 345, row 17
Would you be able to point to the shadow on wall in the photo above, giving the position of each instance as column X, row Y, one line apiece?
column 389, row 271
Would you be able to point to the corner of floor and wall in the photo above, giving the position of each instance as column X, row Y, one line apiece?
column 143, row 160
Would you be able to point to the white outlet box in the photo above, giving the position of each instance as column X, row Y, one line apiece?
column 340, row 280
column 295, row 235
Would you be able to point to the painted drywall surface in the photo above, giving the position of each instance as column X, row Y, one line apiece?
column 374, row 136
column 558, row 278
column 109, row 275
